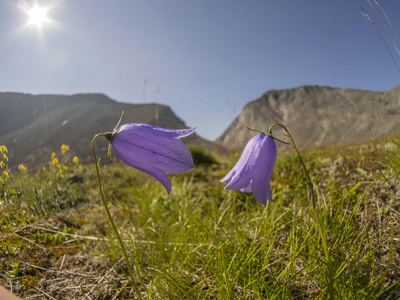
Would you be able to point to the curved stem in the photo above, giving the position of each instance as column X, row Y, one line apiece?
column 309, row 182
column 319, row 224
column 121, row 243
column 268, row 133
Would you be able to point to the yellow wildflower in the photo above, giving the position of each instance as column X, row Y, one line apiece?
column 3, row 149
column 75, row 160
column 1, row 164
column 22, row 168
column 5, row 157
column 5, row 174
column 53, row 155
column 64, row 149
column 55, row 162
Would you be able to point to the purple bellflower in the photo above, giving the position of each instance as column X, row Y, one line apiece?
column 153, row 150
column 252, row 173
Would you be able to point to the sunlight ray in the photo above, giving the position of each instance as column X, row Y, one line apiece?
column 97, row 43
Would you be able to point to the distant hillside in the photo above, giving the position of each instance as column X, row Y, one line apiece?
column 317, row 114
column 34, row 126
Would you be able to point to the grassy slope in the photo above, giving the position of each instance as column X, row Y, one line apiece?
column 203, row 242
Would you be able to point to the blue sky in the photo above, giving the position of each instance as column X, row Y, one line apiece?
column 204, row 58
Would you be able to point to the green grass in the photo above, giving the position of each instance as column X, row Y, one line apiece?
column 204, row 242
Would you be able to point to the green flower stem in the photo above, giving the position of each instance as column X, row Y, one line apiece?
column 309, row 182
column 321, row 229
column 121, row 243
column 328, row 272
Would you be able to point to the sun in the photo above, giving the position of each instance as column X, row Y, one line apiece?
column 37, row 16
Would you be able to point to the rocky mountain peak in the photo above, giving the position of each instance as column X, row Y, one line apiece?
column 318, row 114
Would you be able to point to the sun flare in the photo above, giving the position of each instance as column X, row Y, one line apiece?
column 37, row 16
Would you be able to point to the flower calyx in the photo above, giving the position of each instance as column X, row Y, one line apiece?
column 110, row 135
column 269, row 133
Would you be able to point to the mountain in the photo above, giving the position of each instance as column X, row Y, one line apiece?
column 34, row 126
column 318, row 114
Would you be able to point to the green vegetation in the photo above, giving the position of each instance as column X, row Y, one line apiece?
column 204, row 242
column 202, row 157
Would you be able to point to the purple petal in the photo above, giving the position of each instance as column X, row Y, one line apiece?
column 243, row 172
column 141, row 129
column 253, row 171
column 161, row 177
column 142, row 154
column 144, row 165
column 153, row 150
column 146, row 147
column 261, row 186
column 247, row 189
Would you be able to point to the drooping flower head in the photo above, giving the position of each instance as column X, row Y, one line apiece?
column 153, row 150
column 252, row 173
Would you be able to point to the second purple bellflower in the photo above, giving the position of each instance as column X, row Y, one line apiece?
column 252, row 173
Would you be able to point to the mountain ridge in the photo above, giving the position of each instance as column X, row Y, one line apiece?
column 33, row 126
column 320, row 115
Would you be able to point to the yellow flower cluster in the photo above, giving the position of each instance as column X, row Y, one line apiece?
column 61, row 164
column 55, row 163
column 22, row 168
column 64, row 149
column 5, row 174
column 3, row 157
column 3, row 149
